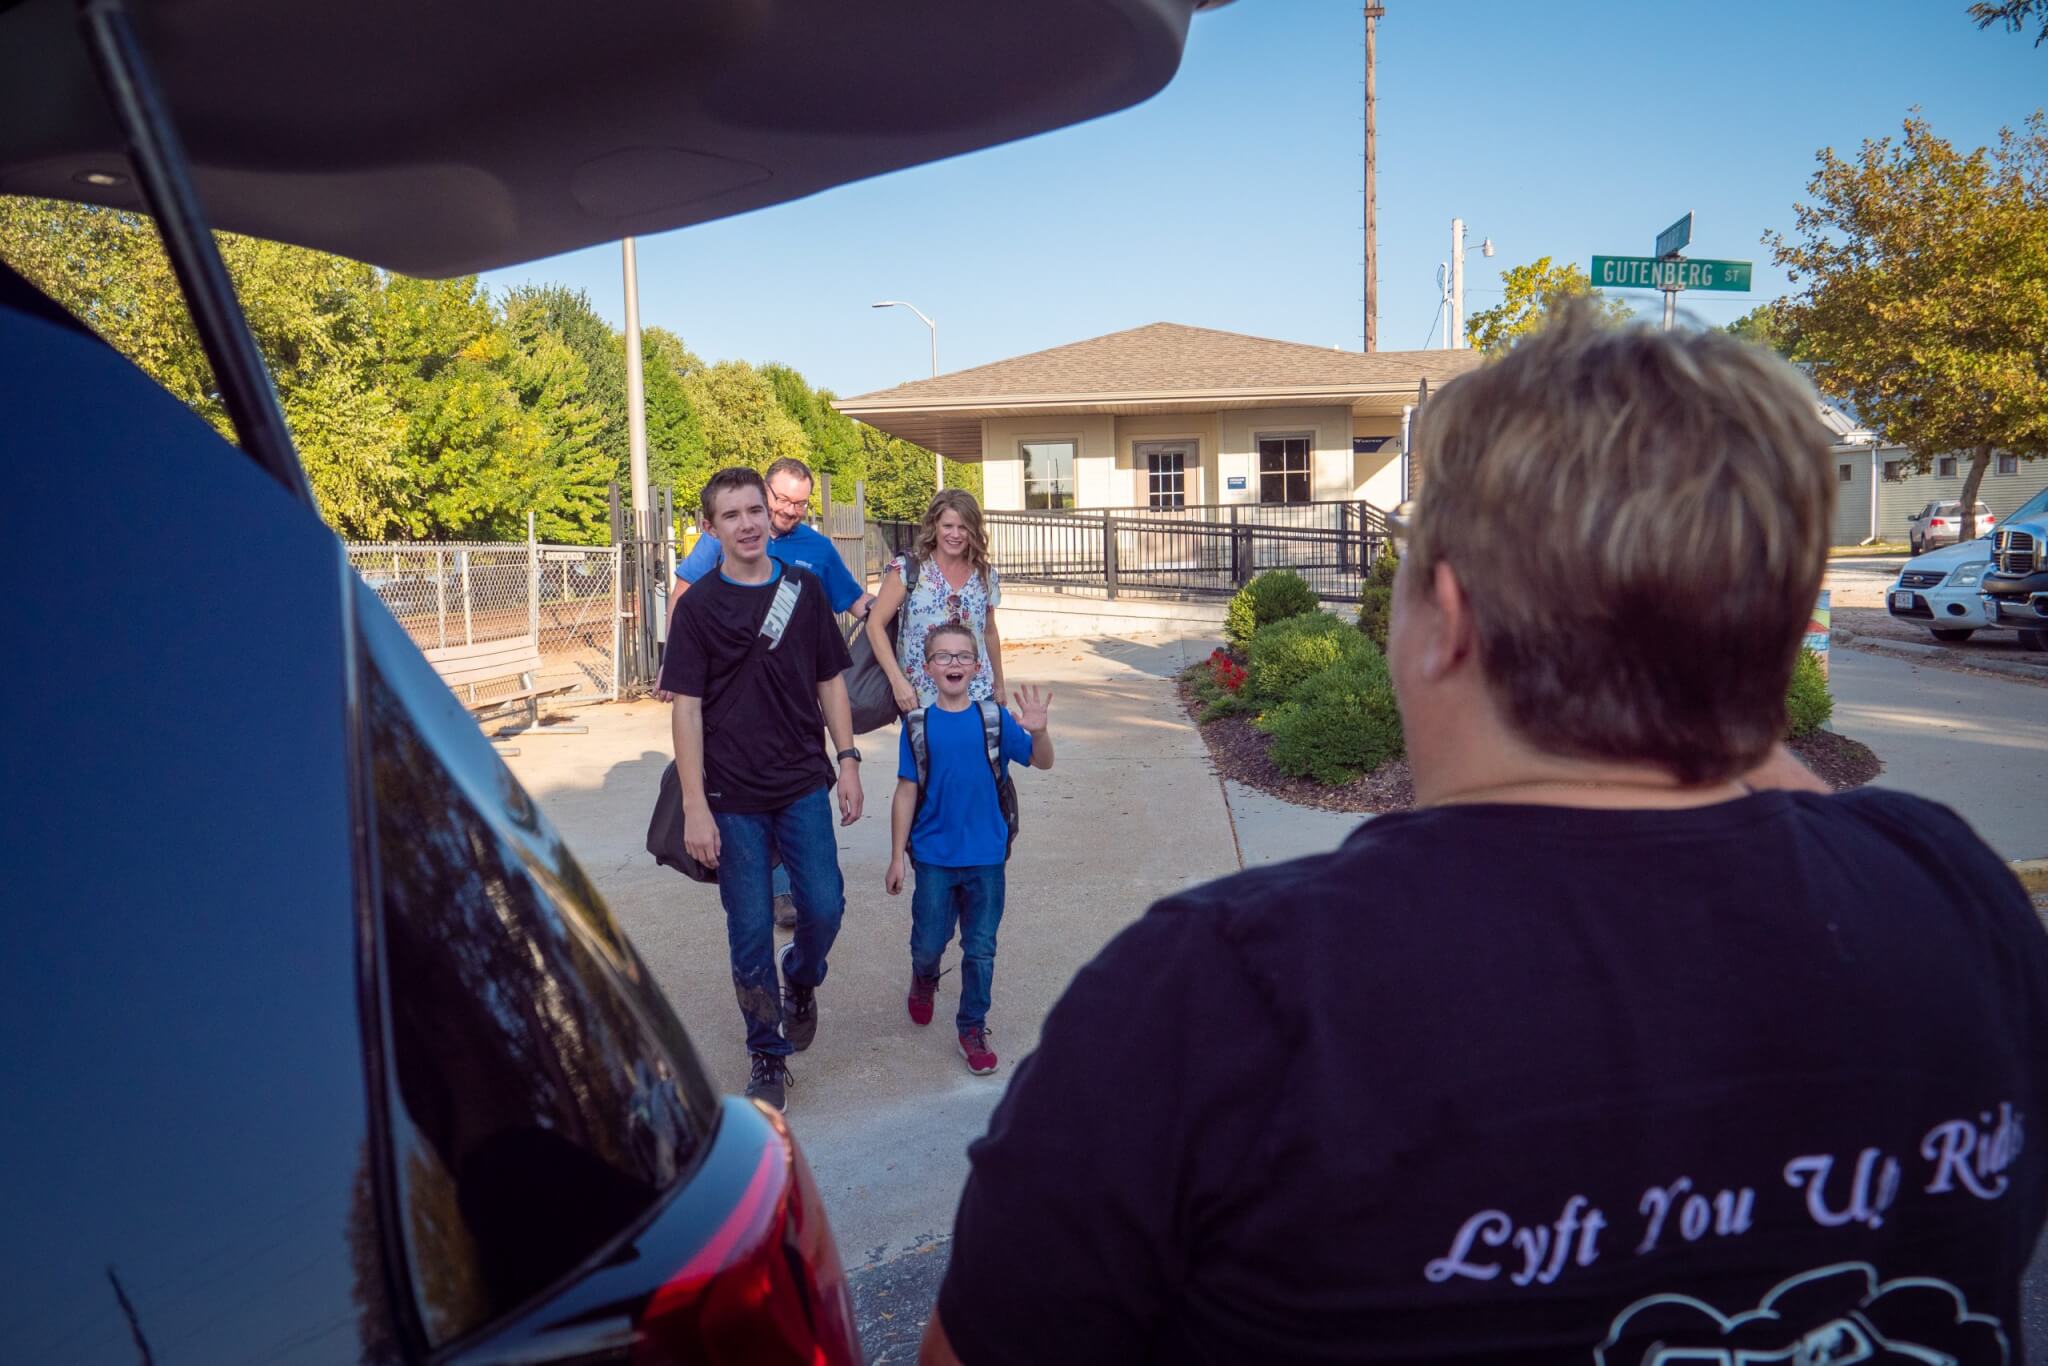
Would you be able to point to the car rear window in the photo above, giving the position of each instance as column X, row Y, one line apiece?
column 547, row 1098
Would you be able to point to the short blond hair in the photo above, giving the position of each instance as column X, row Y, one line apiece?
column 1639, row 520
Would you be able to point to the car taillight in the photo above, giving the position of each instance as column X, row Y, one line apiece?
column 1938, row 522
column 766, row 1287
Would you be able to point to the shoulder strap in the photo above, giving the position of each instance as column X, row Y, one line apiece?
column 920, row 754
column 910, row 571
column 992, row 736
column 780, row 608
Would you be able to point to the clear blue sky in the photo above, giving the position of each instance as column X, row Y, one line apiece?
column 1232, row 199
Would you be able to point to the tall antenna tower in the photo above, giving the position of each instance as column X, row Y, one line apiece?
column 1373, row 13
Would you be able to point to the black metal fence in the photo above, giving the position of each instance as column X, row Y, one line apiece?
column 1197, row 551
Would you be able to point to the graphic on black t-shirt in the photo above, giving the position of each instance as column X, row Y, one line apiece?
column 1857, row 1317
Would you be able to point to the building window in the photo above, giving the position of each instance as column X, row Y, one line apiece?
column 1844, row 474
column 1048, row 475
column 1895, row 471
column 1166, row 480
column 1945, row 467
column 1283, row 469
column 2008, row 464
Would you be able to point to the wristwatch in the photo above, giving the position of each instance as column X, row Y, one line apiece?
column 843, row 755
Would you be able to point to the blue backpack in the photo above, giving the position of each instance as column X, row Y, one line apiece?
column 992, row 743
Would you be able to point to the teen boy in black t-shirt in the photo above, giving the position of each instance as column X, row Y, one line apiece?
column 753, row 657
column 1600, row 1055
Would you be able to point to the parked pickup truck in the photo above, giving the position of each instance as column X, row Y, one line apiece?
column 2015, row 585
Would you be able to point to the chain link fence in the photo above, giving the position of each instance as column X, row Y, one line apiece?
column 565, row 597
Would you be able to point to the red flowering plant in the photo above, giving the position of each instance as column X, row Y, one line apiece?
column 1228, row 673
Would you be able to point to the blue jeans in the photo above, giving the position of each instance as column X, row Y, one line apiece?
column 973, row 897
column 807, row 836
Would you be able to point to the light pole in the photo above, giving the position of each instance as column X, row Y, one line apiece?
column 938, row 461
column 1458, row 250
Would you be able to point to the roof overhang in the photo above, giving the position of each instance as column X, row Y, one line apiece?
column 952, row 427
column 451, row 136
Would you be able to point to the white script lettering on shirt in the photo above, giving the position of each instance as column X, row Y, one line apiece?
column 1965, row 1154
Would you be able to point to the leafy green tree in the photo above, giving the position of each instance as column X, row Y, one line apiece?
column 568, row 312
column 565, row 471
column 2015, row 15
column 835, row 446
column 1531, row 290
column 1925, row 299
column 1764, row 326
column 678, row 456
column 741, row 421
column 107, row 268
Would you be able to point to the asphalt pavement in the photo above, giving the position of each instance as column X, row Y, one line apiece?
column 1130, row 812
column 1974, row 742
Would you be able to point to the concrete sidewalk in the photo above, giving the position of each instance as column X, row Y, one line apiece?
column 885, row 1110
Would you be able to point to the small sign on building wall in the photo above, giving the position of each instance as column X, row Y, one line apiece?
column 1235, row 483
column 1366, row 445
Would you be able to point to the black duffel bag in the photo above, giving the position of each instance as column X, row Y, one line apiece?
column 867, row 683
column 665, row 831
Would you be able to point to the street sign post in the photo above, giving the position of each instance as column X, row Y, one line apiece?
column 1675, row 238
column 1650, row 272
column 1670, row 272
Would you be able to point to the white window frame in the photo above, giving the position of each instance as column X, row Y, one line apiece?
column 1187, row 448
column 1259, row 472
column 1069, row 484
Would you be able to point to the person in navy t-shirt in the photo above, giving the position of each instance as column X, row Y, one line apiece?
column 952, row 828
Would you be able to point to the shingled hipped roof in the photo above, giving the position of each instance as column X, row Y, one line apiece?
column 1162, row 367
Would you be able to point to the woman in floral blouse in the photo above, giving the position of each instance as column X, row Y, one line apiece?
column 955, row 583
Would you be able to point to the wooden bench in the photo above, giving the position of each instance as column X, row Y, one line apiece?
column 464, row 668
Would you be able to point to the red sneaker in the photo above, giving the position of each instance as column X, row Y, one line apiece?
column 981, row 1059
column 919, row 1003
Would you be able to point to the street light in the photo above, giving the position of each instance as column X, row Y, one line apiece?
column 938, row 461
column 1455, row 334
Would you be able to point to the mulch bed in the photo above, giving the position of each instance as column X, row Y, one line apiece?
column 1837, row 760
column 1239, row 752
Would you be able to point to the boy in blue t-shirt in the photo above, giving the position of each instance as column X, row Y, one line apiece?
column 953, row 828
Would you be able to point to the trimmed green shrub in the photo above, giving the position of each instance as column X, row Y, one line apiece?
column 1273, row 596
column 1808, row 703
column 1340, row 724
column 1289, row 652
column 1376, row 598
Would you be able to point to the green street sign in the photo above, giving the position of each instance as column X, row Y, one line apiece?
column 1647, row 272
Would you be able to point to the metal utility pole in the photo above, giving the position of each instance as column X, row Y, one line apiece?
column 640, row 543
column 1457, row 322
column 1373, row 14
column 636, row 395
column 938, row 461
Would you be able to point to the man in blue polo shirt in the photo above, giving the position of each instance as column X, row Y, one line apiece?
column 790, row 541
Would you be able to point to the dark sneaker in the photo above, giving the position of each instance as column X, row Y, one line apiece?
column 922, row 989
column 799, row 1006
column 767, row 1080
column 785, row 913
column 981, row 1059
